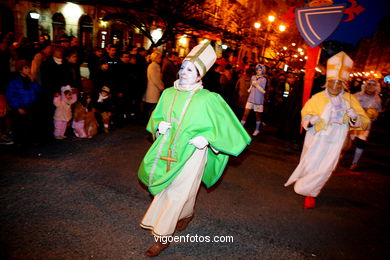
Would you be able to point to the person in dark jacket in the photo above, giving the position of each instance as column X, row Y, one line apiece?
column 22, row 96
column 72, row 71
column 169, row 69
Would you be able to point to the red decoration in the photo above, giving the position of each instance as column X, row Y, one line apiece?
column 313, row 54
column 289, row 17
column 355, row 8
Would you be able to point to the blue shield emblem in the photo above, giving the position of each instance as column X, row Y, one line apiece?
column 316, row 24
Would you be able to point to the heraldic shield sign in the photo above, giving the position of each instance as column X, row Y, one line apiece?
column 316, row 24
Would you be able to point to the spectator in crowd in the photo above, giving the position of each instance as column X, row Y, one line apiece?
column 104, row 77
column 226, row 82
column 241, row 90
column 290, row 121
column 94, row 60
column 53, row 73
column 211, row 80
column 53, row 77
column 22, row 96
column 318, row 82
column 65, row 42
column 39, row 58
column 24, row 49
column 155, row 85
column 103, row 107
column 72, row 71
column 143, row 66
column 169, row 69
column 75, row 47
column 244, row 64
column 121, row 89
column 63, row 113
column 111, row 57
column 136, row 89
column 5, row 68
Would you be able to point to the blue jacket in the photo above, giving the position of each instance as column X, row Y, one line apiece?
column 18, row 96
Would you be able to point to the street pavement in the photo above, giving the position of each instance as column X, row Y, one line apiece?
column 81, row 199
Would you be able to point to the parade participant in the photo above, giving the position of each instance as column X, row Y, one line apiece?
column 327, row 117
column 370, row 101
column 195, row 133
column 256, row 97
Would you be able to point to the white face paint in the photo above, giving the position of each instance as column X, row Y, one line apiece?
column 188, row 73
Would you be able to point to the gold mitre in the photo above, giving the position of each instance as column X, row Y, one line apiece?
column 339, row 66
column 203, row 56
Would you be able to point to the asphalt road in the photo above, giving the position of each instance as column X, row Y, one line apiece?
column 80, row 199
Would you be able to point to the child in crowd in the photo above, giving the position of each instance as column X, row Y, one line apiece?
column 84, row 122
column 22, row 96
column 63, row 113
column 104, row 106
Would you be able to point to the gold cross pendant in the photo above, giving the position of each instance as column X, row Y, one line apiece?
column 169, row 159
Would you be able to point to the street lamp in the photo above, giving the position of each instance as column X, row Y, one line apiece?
column 257, row 25
column 282, row 28
column 271, row 18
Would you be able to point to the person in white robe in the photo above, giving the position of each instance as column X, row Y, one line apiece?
column 327, row 118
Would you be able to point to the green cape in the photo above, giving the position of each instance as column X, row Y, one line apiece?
column 207, row 115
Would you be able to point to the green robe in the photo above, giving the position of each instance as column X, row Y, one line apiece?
column 207, row 115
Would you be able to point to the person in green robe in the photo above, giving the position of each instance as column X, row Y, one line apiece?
column 195, row 131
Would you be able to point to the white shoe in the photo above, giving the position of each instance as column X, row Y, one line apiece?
column 256, row 132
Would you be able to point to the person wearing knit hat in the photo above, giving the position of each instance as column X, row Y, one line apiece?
column 195, row 131
column 371, row 102
column 326, row 117
column 256, row 97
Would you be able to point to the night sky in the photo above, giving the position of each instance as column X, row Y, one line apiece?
column 365, row 24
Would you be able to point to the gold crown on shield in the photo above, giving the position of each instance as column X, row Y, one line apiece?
column 318, row 3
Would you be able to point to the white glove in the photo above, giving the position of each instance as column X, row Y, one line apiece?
column 314, row 119
column 199, row 142
column 352, row 114
column 163, row 127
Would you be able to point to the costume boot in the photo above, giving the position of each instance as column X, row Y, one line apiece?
column 156, row 248
column 183, row 223
column 309, row 202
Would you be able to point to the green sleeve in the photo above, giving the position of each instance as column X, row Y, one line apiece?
column 227, row 135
